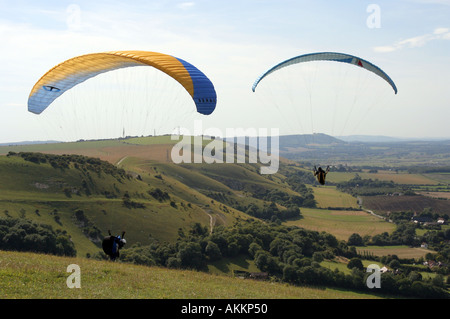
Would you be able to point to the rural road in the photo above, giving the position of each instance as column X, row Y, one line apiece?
column 211, row 221
column 120, row 161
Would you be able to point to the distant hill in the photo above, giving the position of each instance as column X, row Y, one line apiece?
column 28, row 143
column 386, row 139
column 293, row 141
column 369, row 138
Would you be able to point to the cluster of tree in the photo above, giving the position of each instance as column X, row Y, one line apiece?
column 25, row 235
column 159, row 195
column 404, row 234
column 87, row 227
column 298, row 178
column 77, row 161
column 287, row 208
column 398, row 217
column 306, row 198
column 254, row 238
column 428, row 169
column 438, row 241
column 345, row 168
column 287, row 254
column 406, row 281
column 129, row 203
column 368, row 187
column 272, row 212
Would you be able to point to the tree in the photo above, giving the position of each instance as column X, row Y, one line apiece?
column 317, row 256
column 212, row 251
column 355, row 240
column 394, row 264
column 355, row 262
column 190, row 256
column 438, row 281
column 289, row 274
column 265, row 262
column 253, row 249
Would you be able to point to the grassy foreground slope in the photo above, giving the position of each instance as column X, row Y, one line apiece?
column 28, row 275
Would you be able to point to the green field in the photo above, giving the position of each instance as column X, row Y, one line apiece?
column 341, row 223
column 328, row 196
column 401, row 251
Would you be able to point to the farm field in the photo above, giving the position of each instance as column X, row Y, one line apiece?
column 341, row 223
column 149, row 148
column 328, row 196
column 400, row 251
column 384, row 204
column 443, row 195
column 400, row 178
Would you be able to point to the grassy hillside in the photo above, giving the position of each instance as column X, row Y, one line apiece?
column 51, row 195
column 27, row 275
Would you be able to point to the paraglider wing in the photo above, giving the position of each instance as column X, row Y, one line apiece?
column 329, row 56
column 68, row 74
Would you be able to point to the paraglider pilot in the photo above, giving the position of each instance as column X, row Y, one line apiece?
column 321, row 174
column 112, row 244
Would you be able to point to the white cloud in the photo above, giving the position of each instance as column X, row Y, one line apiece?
column 186, row 5
column 441, row 31
column 418, row 41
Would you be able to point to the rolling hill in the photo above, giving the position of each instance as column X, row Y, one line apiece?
column 98, row 174
column 132, row 185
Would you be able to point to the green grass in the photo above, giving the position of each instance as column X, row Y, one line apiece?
column 28, row 275
column 226, row 266
column 341, row 224
column 166, row 139
column 328, row 196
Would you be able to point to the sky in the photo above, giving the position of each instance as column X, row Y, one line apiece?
column 233, row 42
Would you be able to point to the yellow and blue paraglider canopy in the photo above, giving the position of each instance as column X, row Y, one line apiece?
column 74, row 71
